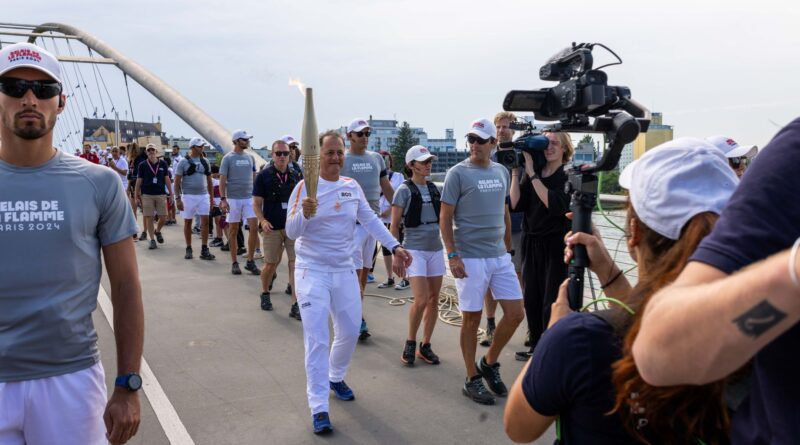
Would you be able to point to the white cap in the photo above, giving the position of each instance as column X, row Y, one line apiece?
column 241, row 134
column 357, row 125
column 731, row 148
column 149, row 146
column 197, row 142
column 28, row 55
column 289, row 139
column 483, row 128
column 418, row 153
column 675, row 181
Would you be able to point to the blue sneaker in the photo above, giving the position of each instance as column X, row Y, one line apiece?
column 342, row 391
column 322, row 423
column 363, row 332
column 370, row 278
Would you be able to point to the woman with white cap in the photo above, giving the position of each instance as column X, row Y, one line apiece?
column 739, row 156
column 583, row 368
column 416, row 202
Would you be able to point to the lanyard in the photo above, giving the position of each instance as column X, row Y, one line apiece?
column 155, row 171
column 284, row 178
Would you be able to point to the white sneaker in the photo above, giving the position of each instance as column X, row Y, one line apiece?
column 403, row 285
column 258, row 255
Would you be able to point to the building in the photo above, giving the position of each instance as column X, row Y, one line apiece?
column 657, row 134
column 101, row 132
column 384, row 134
column 584, row 153
column 181, row 142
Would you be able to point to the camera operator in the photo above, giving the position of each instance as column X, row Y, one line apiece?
column 540, row 194
column 502, row 121
column 739, row 298
column 676, row 192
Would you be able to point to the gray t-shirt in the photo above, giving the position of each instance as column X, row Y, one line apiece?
column 479, row 196
column 366, row 170
column 425, row 236
column 194, row 184
column 54, row 218
column 238, row 170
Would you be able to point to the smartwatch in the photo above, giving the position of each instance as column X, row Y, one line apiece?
column 131, row 382
column 452, row 255
column 395, row 248
column 511, row 252
column 223, row 199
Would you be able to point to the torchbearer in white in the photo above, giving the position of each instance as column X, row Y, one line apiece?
column 325, row 279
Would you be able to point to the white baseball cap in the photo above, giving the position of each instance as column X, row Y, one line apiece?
column 418, row 153
column 198, row 142
column 149, row 146
column 289, row 139
column 483, row 128
column 675, row 181
column 731, row 148
column 241, row 134
column 28, row 55
column 357, row 125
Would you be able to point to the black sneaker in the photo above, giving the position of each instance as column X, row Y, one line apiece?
column 295, row 312
column 488, row 336
column 402, row 285
column 409, row 352
column 251, row 266
column 216, row 242
column 523, row 356
column 266, row 302
column 235, row 269
column 363, row 332
column 288, row 290
column 225, row 247
column 206, row 254
column 159, row 238
column 241, row 250
column 153, row 244
column 492, row 375
column 427, row 354
column 387, row 283
column 188, row 255
column 474, row 389
column 143, row 236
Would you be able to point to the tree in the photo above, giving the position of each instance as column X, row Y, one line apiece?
column 587, row 138
column 610, row 183
column 405, row 140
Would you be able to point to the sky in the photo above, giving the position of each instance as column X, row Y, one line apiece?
column 710, row 67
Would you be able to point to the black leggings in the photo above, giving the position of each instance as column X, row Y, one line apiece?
column 543, row 271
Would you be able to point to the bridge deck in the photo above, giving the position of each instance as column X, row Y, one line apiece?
column 235, row 375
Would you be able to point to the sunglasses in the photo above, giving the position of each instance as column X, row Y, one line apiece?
column 425, row 162
column 472, row 139
column 736, row 162
column 42, row 89
column 362, row 133
column 151, row 150
column 280, row 153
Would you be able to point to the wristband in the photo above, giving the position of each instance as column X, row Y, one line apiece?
column 793, row 263
column 452, row 255
column 612, row 280
column 511, row 252
column 223, row 199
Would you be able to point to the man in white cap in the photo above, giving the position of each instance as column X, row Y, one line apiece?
column 236, row 174
column 369, row 171
column 194, row 192
column 474, row 197
column 52, row 387
column 738, row 155
column 153, row 189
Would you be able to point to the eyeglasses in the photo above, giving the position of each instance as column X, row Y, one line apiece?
column 362, row 133
column 42, row 89
column 472, row 139
column 736, row 162
column 280, row 153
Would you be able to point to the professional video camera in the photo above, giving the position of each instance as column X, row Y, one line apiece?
column 582, row 102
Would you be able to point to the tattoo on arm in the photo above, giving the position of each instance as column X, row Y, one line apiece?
column 759, row 319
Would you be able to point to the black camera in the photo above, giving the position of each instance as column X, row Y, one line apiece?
column 509, row 154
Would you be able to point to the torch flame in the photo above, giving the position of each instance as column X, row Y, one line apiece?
column 297, row 83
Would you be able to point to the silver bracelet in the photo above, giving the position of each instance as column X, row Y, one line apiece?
column 793, row 263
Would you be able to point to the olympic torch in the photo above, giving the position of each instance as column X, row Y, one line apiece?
column 310, row 147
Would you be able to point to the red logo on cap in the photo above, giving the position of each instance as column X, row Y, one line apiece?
column 362, row 123
column 423, row 150
column 477, row 124
column 731, row 142
column 24, row 54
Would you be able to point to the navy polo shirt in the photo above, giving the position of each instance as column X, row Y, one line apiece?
column 761, row 219
column 147, row 172
column 275, row 212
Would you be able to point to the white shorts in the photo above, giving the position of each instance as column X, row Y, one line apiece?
column 195, row 205
column 496, row 274
column 65, row 409
column 426, row 263
column 240, row 208
column 363, row 248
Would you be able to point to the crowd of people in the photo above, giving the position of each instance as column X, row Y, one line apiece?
column 710, row 226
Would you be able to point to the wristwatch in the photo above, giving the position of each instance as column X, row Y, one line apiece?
column 511, row 252
column 395, row 248
column 131, row 382
column 223, row 199
column 452, row 255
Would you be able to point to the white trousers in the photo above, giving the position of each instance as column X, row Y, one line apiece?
column 320, row 295
column 65, row 409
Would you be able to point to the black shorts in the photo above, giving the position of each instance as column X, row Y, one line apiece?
column 215, row 211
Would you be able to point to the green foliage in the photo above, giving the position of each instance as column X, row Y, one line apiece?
column 405, row 140
column 587, row 138
column 609, row 183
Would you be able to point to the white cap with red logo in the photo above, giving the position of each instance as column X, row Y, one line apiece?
column 483, row 128
column 418, row 153
column 289, row 140
column 240, row 134
column 357, row 125
column 197, row 142
column 28, row 55
column 731, row 148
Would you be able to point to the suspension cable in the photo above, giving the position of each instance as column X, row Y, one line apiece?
column 79, row 74
column 97, row 84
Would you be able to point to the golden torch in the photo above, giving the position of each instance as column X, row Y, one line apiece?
column 309, row 146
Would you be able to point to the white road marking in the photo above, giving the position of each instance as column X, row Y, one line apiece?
column 167, row 416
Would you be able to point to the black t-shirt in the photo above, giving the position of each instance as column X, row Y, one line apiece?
column 516, row 215
column 147, row 172
column 541, row 220
column 763, row 218
column 269, row 183
column 570, row 376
